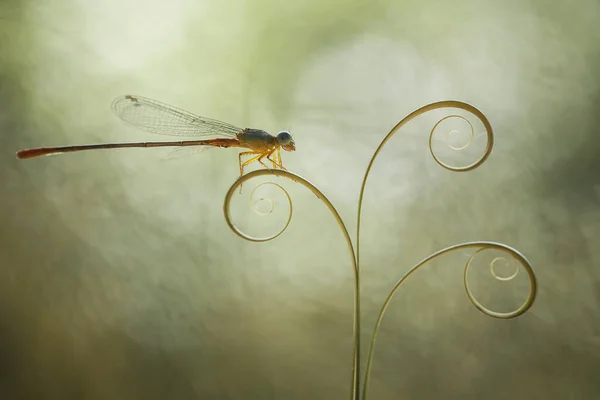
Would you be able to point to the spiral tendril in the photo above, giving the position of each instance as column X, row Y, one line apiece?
column 449, row 133
column 227, row 207
column 517, row 257
column 430, row 107
column 340, row 222
column 253, row 202
column 501, row 278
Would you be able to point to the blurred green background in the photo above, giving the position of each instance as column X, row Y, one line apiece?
column 120, row 279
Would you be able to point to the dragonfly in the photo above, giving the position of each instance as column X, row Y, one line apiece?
column 163, row 119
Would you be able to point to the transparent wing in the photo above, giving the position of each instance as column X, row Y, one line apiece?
column 163, row 119
column 181, row 152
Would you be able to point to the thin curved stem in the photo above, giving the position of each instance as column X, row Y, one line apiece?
column 483, row 245
column 355, row 393
column 355, row 381
column 408, row 118
column 405, row 120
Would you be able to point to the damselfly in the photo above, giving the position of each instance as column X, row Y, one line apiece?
column 163, row 119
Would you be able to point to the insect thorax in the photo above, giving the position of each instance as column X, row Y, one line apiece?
column 257, row 139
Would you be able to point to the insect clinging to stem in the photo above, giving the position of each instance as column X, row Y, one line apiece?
column 159, row 118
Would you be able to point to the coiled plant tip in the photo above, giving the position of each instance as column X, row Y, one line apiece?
column 510, row 255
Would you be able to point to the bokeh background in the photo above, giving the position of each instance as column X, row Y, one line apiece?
column 119, row 278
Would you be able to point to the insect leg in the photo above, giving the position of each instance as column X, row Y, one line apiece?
column 258, row 157
column 278, row 160
column 245, row 153
column 275, row 165
column 280, row 163
column 242, row 165
column 275, row 162
column 268, row 155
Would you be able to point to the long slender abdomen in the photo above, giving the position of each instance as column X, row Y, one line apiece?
column 47, row 151
column 31, row 153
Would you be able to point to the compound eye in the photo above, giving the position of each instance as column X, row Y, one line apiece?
column 284, row 137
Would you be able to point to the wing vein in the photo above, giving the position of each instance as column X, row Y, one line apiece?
column 163, row 119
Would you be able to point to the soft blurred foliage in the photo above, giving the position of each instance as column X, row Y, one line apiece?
column 120, row 279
